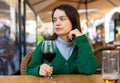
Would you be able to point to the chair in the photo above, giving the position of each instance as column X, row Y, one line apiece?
column 97, row 44
column 24, row 63
column 98, row 55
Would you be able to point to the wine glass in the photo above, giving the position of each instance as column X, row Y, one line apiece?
column 48, row 52
column 110, row 66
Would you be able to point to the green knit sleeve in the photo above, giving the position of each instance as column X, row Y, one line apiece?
column 86, row 61
column 36, row 61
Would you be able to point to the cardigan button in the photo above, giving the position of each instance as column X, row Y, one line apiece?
column 66, row 63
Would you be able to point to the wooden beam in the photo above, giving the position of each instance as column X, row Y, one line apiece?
column 42, row 5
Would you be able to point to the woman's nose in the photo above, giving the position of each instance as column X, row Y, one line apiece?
column 57, row 23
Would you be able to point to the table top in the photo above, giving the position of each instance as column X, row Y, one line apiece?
column 97, row 78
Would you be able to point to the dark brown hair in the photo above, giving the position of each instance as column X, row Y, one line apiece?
column 72, row 14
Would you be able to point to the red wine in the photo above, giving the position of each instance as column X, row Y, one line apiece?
column 49, row 56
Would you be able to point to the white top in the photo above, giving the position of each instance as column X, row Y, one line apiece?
column 64, row 47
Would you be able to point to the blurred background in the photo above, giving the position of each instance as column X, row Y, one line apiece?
column 25, row 23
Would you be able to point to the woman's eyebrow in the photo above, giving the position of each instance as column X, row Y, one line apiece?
column 60, row 16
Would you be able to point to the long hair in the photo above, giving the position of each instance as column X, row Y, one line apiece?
column 72, row 14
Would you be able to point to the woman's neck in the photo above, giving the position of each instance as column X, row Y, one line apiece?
column 65, row 38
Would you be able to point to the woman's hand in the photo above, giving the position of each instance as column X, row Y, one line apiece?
column 74, row 33
column 45, row 69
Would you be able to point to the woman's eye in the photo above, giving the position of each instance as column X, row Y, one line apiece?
column 62, row 19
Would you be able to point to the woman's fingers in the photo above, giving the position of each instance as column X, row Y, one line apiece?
column 45, row 69
column 74, row 33
column 43, row 72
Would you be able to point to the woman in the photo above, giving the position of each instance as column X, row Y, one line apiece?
column 74, row 54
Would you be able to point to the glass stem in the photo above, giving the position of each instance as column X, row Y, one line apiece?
column 49, row 64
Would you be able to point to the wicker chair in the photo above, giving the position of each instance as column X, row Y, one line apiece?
column 24, row 63
column 98, row 54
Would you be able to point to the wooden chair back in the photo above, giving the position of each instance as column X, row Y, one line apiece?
column 25, row 61
column 98, row 54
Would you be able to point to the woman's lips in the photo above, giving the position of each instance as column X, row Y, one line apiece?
column 58, row 29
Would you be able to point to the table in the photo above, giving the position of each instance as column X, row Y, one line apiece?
column 97, row 78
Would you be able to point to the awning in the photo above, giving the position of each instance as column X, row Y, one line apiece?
column 95, row 8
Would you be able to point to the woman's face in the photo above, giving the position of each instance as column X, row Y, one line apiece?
column 61, row 22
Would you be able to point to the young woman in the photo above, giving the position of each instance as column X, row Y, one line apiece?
column 74, row 54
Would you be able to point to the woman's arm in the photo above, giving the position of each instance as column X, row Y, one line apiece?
column 86, row 61
column 37, row 66
column 36, row 60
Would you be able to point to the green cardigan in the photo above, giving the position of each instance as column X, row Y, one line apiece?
column 82, row 60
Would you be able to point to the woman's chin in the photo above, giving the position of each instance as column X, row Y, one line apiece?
column 59, row 33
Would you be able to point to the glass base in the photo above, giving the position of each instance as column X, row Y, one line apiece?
column 48, row 77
